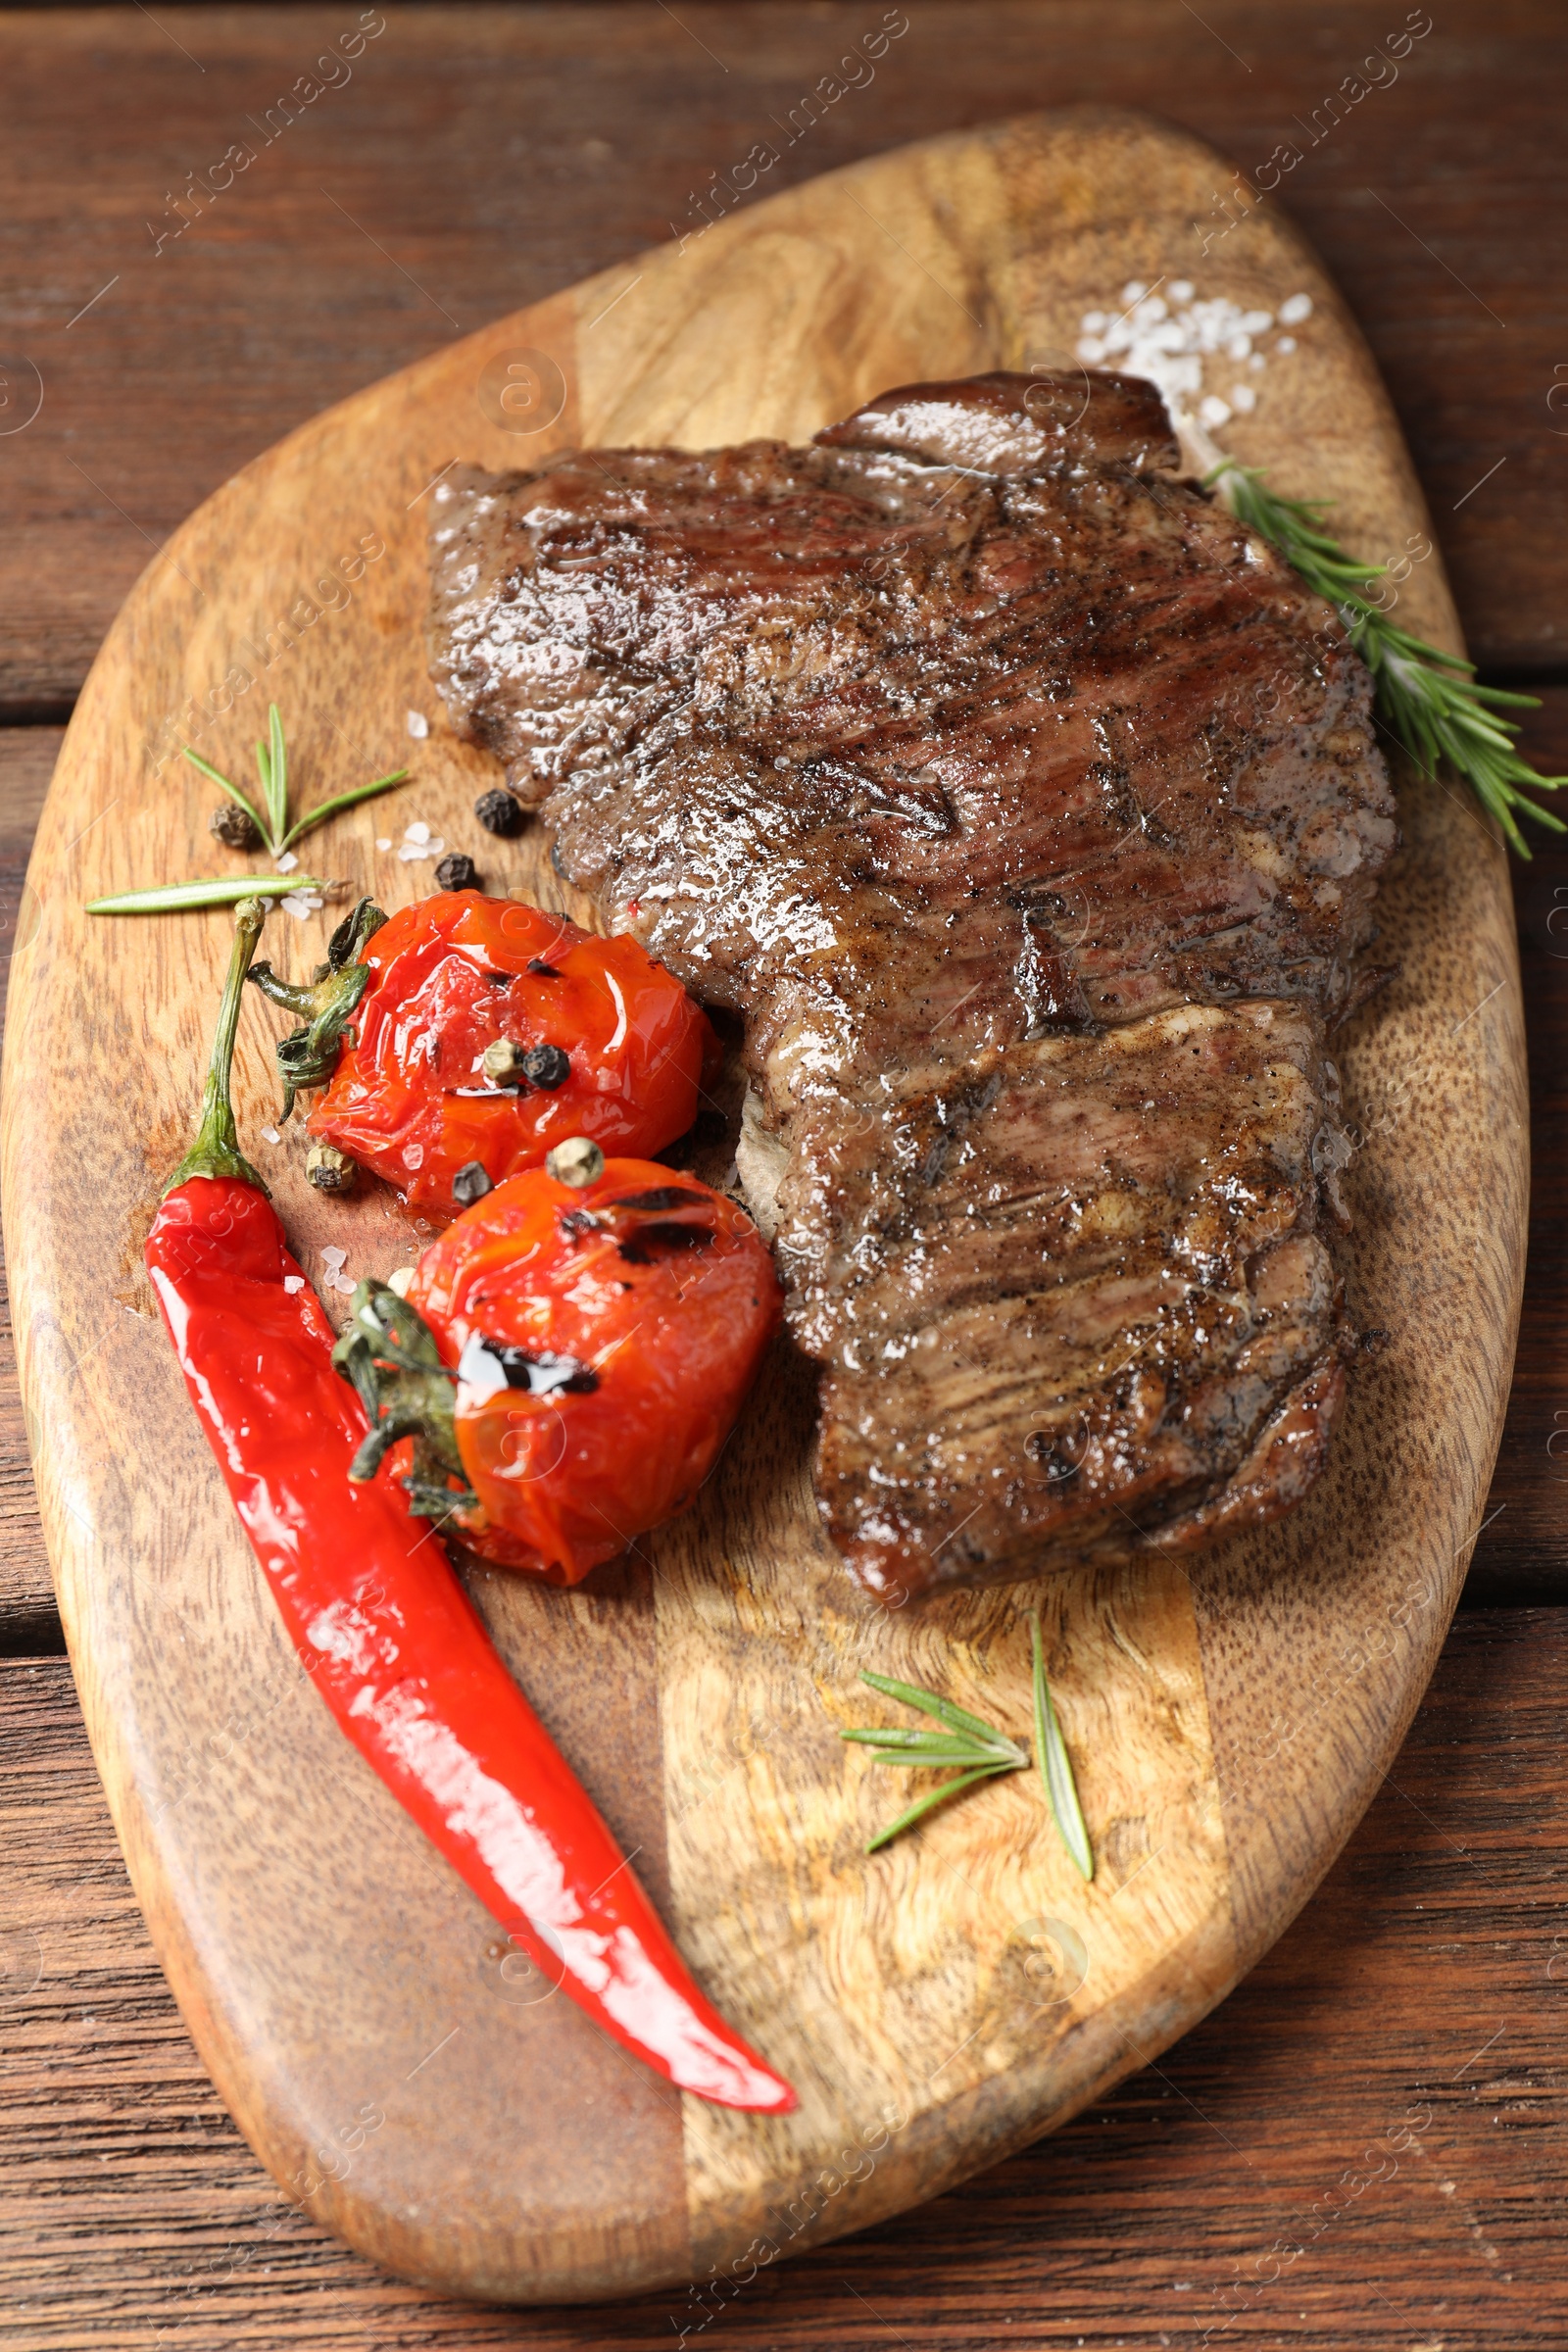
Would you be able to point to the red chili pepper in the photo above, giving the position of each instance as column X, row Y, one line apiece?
column 383, row 1627
column 573, row 1355
column 485, row 1032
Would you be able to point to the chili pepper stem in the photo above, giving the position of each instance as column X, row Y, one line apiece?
column 216, row 1150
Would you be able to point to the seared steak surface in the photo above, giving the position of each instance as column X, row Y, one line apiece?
column 1029, row 813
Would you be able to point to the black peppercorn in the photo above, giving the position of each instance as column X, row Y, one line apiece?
column 547, row 1066
column 456, row 871
column 499, row 813
column 234, row 826
column 471, row 1183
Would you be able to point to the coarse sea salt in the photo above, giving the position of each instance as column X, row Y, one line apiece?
column 300, row 902
column 269, row 1135
column 1168, row 337
column 418, row 725
column 293, row 1283
column 287, row 863
column 335, row 1257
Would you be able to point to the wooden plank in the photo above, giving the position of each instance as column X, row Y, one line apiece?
column 472, row 160
column 862, row 1979
column 27, row 1615
column 1414, row 2010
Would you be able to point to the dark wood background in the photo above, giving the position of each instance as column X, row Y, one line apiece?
column 477, row 157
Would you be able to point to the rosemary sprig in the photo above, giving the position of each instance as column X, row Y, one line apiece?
column 173, row 898
column 1055, row 1765
column 1427, row 699
column 271, row 819
column 978, row 1751
column 978, row 1748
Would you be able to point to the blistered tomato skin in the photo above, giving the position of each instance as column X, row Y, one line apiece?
column 604, row 1338
column 459, row 972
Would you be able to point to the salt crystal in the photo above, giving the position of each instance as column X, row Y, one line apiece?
column 1214, row 411
column 333, row 1257
column 1181, row 291
column 287, row 863
column 1240, row 347
column 344, row 1283
column 293, row 1283
column 1294, row 310
column 1092, row 322
column 1091, row 347
column 1243, row 397
column 418, row 725
column 269, row 1135
column 1134, row 291
column 1286, row 343
column 1258, row 363
column 1255, row 322
column 417, row 831
column 300, row 902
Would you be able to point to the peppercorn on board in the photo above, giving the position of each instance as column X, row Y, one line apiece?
column 940, row 2002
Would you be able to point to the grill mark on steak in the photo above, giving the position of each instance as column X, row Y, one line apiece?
column 1029, row 811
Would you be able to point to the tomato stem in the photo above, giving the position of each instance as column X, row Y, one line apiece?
column 388, row 1353
column 325, row 1002
column 216, row 1150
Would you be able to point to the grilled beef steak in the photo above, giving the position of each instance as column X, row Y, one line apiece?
column 1029, row 813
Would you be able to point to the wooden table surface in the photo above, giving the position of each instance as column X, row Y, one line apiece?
column 1365, row 2146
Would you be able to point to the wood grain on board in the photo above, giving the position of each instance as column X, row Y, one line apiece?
column 477, row 157
column 1357, row 2152
column 1230, row 1722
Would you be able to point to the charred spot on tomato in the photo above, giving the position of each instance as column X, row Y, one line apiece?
column 573, row 1223
column 542, row 970
column 538, row 1371
column 663, row 1196
column 546, row 1066
column 501, row 979
column 652, row 1241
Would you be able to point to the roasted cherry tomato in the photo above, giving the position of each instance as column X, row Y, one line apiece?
column 604, row 1337
column 605, row 1043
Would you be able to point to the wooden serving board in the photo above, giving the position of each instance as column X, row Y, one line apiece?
column 948, row 1999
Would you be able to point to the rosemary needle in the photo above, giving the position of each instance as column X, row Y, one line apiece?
column 1429, row 700
column 173, row 898
column 1055, row 1765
